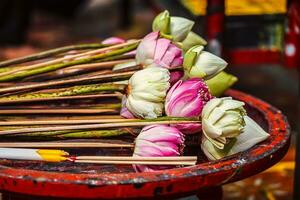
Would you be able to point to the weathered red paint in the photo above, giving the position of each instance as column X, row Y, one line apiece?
column 161, row 183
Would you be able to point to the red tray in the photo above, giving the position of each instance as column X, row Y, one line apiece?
column 107, row 181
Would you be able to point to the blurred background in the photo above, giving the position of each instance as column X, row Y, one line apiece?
column 260, row 39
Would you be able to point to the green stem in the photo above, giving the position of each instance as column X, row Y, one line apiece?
column 23, row 74
column 69, row 91
column 92, row 134
column 49, row 53
column 61, row 135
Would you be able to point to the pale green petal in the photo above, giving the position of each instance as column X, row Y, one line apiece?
column 191, row 40
column 220, row 83
column 252, row 135
column 210, row 130
column 180, row 28
column 216, row 115
column 210, row 105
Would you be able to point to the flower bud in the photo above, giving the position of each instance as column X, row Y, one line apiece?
column 158, row 141
column 113, row 40
column 202, row 64
column 162, row 22
column 175, row 28
column 220, row 83
column 252, row 135
column 146, row 92
column 191, row 40
column 222, row 118
column 160, row 52
column 187, row 99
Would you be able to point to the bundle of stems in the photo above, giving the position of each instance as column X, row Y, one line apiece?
column 66, row 129
column 49, row 53
column 18, row 73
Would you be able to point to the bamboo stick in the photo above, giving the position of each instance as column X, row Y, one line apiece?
column 61, row 117
column 64, row 145
column 129, row 162
column 77, row 97
column 81, row 121
column 62, row 122
column 49, row 53
column 107, row 77
column 55, row 61
column 136, row 158
column 94, row 126
column 56, row 111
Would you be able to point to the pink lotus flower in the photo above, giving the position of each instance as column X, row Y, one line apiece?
column 158, row 141
column 187, row 99
column 113, row 40
column 175, row 76
column 157, row 51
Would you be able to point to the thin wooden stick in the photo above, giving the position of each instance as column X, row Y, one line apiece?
column 4, row 118
column 93, row 52
column 135, row 158
column 63, row 122
column 64, row 145
column 76, row 121
column 128, row 162
column 51, row 52
column 94, row 96
column 93, row 126
column 56, row 111
column 109, row 77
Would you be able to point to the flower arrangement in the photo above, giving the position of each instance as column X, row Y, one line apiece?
column 158, row 89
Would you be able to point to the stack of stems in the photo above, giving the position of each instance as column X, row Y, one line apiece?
column 81, row 76
column 80, row 129
column 52, row 65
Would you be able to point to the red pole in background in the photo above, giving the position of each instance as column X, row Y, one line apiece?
column 215, row 25
column 292, row 36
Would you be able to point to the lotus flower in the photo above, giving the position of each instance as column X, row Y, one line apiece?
column 202, row 64
column 252, row 135
column 160, row 52
column 113, row 40
column 222, row 119
column 176, row 27
column 175, row 76
column 187, row 99
column 146, row 92
column 158, row 141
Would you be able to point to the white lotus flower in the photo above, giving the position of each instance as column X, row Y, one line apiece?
column 177, row 28
column 222, row 118
column 147, row 90
column 252, row 135
column 202, row 64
